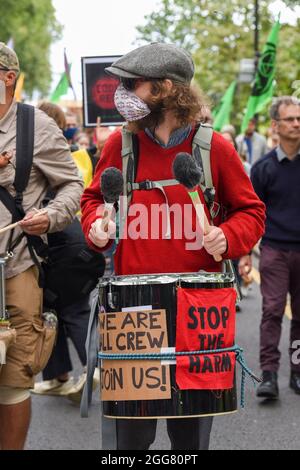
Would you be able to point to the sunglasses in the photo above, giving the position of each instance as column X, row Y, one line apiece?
column 130, row 84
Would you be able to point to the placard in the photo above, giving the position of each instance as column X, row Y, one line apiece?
column 205, row 322
column 134, row 333
column 98, row 92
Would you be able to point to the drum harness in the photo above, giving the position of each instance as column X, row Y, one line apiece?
column 201, row 147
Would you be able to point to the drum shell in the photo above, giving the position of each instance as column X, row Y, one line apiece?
column 183, row 403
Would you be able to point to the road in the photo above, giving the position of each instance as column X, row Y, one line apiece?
column 56, row 423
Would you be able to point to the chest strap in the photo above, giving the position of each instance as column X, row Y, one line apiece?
column 147, row 186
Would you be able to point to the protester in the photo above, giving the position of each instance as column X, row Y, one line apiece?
column 272, row 139
column 82, row 140
column 252, row 144
column 276, row 181
column 242, row 266
column 72, row 127
column 72, row 319
column 160, row 105
column 52, row 166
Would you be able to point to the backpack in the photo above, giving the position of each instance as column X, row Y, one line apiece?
column 201, row 151
column 201, row 147
column 72, row 269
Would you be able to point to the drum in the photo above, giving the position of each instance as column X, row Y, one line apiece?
column 160, row 292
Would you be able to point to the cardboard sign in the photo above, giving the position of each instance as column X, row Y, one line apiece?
column 134, row 333
column 205, row 321
column 98, row 92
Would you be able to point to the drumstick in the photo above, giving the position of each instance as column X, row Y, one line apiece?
column 9, row 227
column 111, row 188
column 188, row 174
column 12, row 226
column 106, row 216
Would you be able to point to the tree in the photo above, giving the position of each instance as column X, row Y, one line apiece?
column 219, row 34
column 33, row 27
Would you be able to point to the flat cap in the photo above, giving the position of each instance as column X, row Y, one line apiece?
column 8, row 58
column 156, row 60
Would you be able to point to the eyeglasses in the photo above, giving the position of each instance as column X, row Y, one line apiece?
column 290, row 120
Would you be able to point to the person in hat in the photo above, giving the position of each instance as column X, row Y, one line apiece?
column 52, row 167
column 161, row 107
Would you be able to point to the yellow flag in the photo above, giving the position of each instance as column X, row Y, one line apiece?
column 19, row 87
column 84, row 165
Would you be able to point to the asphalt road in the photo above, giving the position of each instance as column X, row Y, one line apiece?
column 56, row 422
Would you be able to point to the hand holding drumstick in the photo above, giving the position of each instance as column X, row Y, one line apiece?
column 35, row 222
column 187, row 172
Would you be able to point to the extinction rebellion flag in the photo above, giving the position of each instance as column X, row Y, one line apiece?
column 263, row 88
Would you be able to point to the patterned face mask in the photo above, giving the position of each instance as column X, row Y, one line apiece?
column 2, row 92
column 130, row 106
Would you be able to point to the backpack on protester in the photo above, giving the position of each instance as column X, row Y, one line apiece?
column 201, row 147
column 201, row 151
column 71, row 269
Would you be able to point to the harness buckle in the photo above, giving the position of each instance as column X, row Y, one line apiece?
column 146, row 185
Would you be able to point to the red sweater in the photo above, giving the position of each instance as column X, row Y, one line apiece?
column 245, row 213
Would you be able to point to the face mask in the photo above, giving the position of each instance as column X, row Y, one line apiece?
column 2, row 92
column 130, row 106
column 69, row 133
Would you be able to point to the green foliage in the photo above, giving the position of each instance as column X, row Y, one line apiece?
column 219, row 34
column 33, row 27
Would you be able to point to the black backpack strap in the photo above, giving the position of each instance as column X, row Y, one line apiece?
column 24, row 151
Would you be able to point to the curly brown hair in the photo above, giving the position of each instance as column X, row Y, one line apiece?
column 184, row 100
column 55, row 112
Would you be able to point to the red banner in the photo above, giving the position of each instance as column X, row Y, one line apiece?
column 205, row 321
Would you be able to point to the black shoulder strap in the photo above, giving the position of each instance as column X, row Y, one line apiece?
column 24, row 150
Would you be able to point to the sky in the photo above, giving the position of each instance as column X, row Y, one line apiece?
column 105, row 27
column 96, row 28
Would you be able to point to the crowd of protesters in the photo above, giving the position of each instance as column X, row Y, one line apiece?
column 272, row 162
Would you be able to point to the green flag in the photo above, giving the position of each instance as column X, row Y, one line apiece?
column 221, row 113
column 263, row 88
column 61, row 89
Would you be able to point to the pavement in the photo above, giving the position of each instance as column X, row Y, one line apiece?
column 56, row 422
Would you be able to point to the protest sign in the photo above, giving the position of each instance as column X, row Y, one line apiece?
column 139, row 332
column 98, row 92
column 205, row 321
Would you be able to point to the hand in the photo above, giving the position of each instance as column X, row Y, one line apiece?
column 5, row 159
column 102, row 134
column 98, row 236
column 245, row 266
column 215, row 242
column 35, row 224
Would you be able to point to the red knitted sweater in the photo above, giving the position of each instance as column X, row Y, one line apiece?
column 244, row 212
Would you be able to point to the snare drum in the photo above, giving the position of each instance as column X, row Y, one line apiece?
column 160, row 292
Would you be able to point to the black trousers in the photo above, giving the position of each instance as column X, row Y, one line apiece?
column 184, row 433
column 73, row 324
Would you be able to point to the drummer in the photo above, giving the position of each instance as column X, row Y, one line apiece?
column 161, row 107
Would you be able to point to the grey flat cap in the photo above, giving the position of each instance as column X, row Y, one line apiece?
column 156, row 60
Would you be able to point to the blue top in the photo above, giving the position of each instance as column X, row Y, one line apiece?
column 276, row 180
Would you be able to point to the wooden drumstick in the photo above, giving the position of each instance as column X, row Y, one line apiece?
column 12, row 226
column 9, row 227
column 188, row 174
column 194, row 195
column 106, row 216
